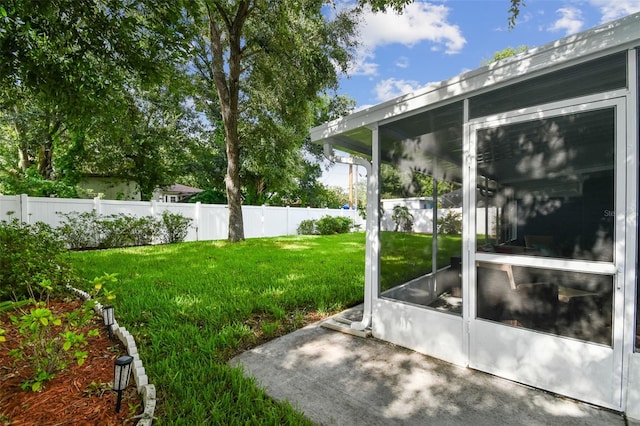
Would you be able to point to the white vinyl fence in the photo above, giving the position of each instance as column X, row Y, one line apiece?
column 423, row 219
column 210, row 221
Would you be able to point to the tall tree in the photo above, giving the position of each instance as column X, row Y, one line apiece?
column 60, row 61
column 274, row 56
column 266, row 61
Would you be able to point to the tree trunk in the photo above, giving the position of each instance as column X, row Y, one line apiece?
column 228, row 89
column 24, row 160
column 232, row 180
column 45, row 159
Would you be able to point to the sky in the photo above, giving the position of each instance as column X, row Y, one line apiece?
column 436, row 40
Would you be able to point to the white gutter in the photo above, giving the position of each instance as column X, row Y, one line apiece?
column 371, row 229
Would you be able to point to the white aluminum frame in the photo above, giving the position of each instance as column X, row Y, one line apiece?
column 559, row 364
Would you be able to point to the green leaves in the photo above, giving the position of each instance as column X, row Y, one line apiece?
column 45, row 345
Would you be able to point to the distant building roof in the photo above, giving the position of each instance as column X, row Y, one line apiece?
column 181, row 189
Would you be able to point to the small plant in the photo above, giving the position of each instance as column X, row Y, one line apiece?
column 307, row 227
column 176, row 227
column 46, row 347
column 100, row 292
column 97, row 389
column 450, row 224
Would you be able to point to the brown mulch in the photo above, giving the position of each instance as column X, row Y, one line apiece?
column 80, row 395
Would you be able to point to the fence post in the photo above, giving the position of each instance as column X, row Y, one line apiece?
column 197, row 220
column 264, row 213
column 287, row 219
column 97, row 207
column 154, row 208
column 24, row 208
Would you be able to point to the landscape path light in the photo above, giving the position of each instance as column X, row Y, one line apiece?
column 121, row 372
column 109, row 319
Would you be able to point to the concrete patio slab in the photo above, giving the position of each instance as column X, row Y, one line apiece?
column 340, row 379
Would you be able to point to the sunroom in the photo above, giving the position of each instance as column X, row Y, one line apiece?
column 539, row 285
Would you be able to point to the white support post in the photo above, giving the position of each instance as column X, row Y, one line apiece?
column 372, row 288
column 197, row 219
column 434, row 236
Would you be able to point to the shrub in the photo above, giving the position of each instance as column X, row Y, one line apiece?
column 91, row 230
column 450, row 224
column 114, row 231
column 176, row 227
column 80, row 230
column 144, row 230
column 402, row 218
column 33, row 261
column 122, row 230
column 307, row 227
column 333, row 225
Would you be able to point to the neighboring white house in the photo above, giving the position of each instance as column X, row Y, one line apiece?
column 175, row 193
column 545, row 144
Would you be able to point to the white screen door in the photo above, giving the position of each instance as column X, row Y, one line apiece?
column 545, row 298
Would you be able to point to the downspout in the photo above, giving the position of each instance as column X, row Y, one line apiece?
column 371, row 228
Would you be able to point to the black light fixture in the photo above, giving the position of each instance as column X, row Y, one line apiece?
column 108, row 317
column 121, row 372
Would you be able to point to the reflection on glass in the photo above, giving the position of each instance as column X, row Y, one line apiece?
column 570, row 304
column 546, row 187
column 421, row 180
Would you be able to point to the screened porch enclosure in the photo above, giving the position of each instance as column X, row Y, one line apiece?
column 538, row 156
column 425, row 150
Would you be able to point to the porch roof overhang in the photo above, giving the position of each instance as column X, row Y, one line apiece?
column 353, row 133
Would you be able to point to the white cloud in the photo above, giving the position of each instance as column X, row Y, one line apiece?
column 570, row 21
column 402, row 62
column 392, row 88
column 421, row 21
column 614, row 9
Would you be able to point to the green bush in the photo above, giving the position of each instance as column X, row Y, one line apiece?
column 402, row 218
column 91, row 230
column 450, row 224
column 307, row 227
column 175, row 227
column 33, row 261
column 80, row 230
column 115, row 230
column 144, row 230
column 333, row 225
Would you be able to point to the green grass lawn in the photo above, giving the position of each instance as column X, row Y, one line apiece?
column 405, row 256
column 192, row 306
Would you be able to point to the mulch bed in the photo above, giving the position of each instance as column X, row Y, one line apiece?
column 80, row 395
